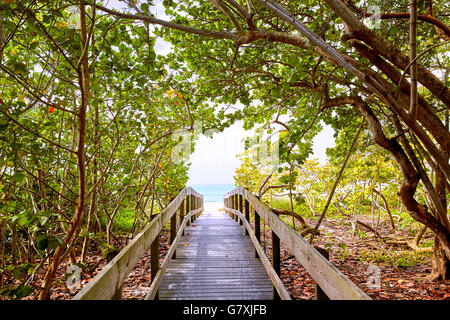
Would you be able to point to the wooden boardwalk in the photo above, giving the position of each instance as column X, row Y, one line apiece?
column 215, row 260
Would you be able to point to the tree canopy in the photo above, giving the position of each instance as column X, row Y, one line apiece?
column 88, row 105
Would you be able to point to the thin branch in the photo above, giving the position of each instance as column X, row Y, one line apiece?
column 336, row 181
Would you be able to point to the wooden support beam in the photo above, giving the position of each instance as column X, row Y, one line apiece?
column 247, row 214
column 319, row 294
column 233, row 206
column 241, row 206
column 173, row 228
column 118, row 292
column 154, row 257
column 182, row 208
column 188, row 208
column 257, row 229
column 192, row 207
column 236, row 205
column 276, row 262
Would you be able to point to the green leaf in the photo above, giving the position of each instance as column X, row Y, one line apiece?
column 22, row 291
column 144, row 7
column 43, row 220
column 54, row 242
column 19, row 177
column 42, row 242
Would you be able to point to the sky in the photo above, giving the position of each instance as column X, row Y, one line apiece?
column 215, row 159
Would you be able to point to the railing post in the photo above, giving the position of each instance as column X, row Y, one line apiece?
column 154, row 261
column 197, row 202
column 118, row 293
column 241, row 207
column 236, row 206
column 196, row 207
column 192, row 206
column 173, row 227
column 257, row 230
column 182, row 214
column 233, row 205
column 247, row 214
column 188, row 208
column 225, row 203
column 276, row 263
column 319, row 294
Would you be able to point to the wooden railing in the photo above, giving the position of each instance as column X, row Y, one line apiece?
column 334, row 284
column 108, row 283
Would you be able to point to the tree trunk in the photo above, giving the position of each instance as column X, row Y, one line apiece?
column 93, row 206
column 412, row 56
column 2, row 244
column 440, row 262
column 2, row 39
column 386, row 206
column 289, row 213
column 83, row 77
column 336, row 181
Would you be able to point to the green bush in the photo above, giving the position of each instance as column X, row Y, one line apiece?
column 396, row 259
column 124, row 220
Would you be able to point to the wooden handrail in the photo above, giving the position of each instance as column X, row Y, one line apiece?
column 335, row 284
column 105, row 284
column 277, row 283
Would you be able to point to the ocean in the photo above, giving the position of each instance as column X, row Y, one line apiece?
column 213, row 192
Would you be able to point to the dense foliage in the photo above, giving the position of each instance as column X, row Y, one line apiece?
column 88, row 107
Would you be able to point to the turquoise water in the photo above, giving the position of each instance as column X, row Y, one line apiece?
column 213, row 192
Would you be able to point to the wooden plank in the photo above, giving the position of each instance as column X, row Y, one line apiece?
column 219, row 290
column 213, row 277
column 277, row 283
column 262, row 278
column 336, row 285
column 219, row 264
column 154, row 259
column 243, row 293
column 213, row 258
column 257, row 231
column 318, row 292
column 220, row 296
column 222, row 274
column 218, row 284
column 219, row 272
column 247, row 213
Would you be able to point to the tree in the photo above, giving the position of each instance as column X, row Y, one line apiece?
column 86, row 117
column 266, row 56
